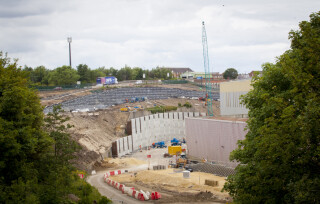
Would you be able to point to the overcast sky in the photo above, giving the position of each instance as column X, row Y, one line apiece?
column 147, row 33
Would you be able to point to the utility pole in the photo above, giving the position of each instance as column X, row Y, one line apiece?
column 69, row 41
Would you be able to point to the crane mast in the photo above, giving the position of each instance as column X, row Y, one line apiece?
column 209, row 98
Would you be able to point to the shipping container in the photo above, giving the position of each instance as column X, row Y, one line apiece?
column 107, row 80
column 111, row 80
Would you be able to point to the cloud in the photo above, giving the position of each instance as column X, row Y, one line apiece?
column 149, row 33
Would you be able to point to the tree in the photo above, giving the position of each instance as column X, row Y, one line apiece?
column 35, row 157
column 230, row 73
column 124, row 73
column 160, row 73
column 57, row 167
column 280, row 154
column 84, row 73
column 39, row 75
column 137, row 73
column 64, row 75
column 22, row 140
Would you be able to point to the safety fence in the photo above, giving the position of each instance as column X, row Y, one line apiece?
column 63, row 87
column 213, row 168
column 174, row 81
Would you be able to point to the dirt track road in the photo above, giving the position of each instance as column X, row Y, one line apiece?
column 115, row 195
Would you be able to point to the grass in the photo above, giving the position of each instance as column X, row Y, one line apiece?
column 161, row 109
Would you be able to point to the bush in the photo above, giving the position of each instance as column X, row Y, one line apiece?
column 161, row 109
column 187, row 105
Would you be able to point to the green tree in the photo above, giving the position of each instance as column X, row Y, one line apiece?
column 40, row 75
column 57, row 164
column 137, row 73
column 113, row 71
column 35, row 157
column 124, row 74
column 160, row 73
column 280, row 154
column 96, row 73
column 84, row 73
column 22, row 140
column 64, row 75
column 230, row 73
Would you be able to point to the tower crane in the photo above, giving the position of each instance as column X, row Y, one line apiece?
column 209, row 98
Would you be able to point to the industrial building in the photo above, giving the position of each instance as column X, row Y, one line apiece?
column 230, row 101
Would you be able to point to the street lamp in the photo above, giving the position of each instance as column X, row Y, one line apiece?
column 69, row 41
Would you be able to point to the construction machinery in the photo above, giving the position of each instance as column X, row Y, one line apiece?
column 124, row 109
column 181, row 162
column 175, row 142
column 159, row 144
column 174, row 150
column 209, row 98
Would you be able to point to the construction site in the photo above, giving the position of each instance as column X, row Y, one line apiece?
column 181, row 153
column 156, row 142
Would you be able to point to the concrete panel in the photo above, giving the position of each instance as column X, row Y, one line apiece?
column 185, row 115
column 120, row 147
column 130, row 144
column 133, row 125
column 170, row 115
column 125, row 144
column 196, row 114
column 135, row 142
column 213, row 139
column 175, row 115
column 138, row 125
column 230, row 104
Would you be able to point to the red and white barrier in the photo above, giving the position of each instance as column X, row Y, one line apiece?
column 113, row 173
column 139, row 195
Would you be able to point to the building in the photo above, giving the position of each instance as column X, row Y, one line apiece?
column 176, row 72
column 230, row 93
column 214, row 138
column 253, row 73
column 199, row 75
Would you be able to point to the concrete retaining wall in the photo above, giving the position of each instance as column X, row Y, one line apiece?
column 154, row 128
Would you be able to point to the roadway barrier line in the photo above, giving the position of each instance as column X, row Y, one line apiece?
column 139, row 195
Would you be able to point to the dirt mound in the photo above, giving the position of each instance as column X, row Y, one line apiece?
column 97, row 131
column 85, row 159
